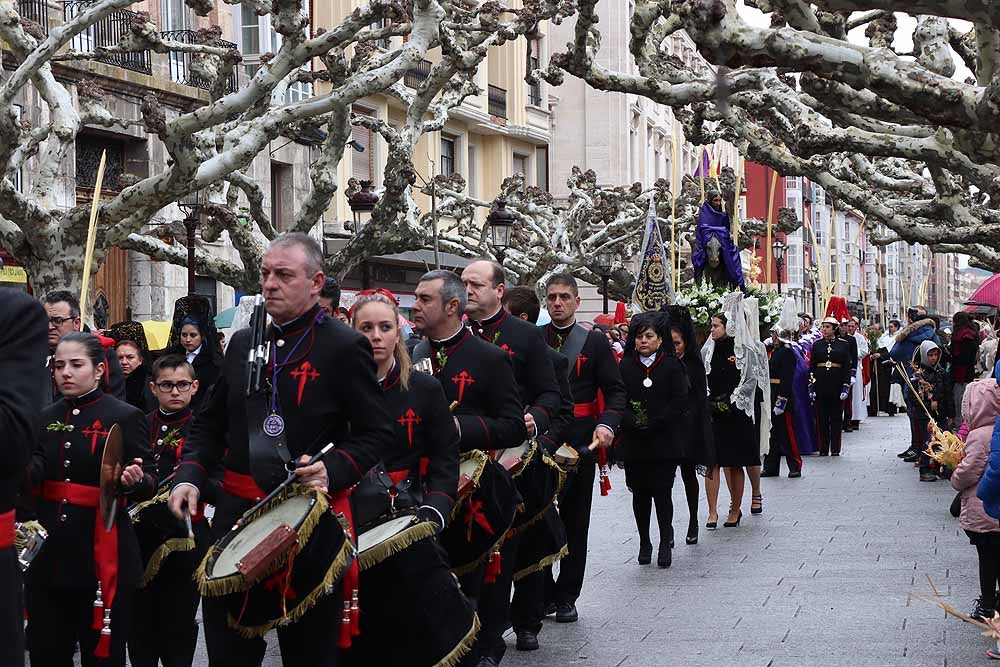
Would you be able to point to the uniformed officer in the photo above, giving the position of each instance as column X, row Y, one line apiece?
column 22, row 359
column 322, row 389
column 830, row 381
column 80, row 585
column 783, row 438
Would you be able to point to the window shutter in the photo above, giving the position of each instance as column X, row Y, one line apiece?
column 362, row 164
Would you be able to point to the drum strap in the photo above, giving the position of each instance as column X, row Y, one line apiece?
column 105, row 553
column 268, row 454
column 573, row 346
column 7, row 529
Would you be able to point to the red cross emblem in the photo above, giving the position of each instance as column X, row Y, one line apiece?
column 474, row 515
column 409, row 420
column 506, row 348
column 461, row 380
column 95, row 431
column 304, row 373
column 580, row 361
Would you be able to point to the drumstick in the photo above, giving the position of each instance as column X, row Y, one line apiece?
column 594, row 444
column 454, row 404
column 187, row 522
column 316, row 458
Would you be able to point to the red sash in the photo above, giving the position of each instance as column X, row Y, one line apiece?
column 105, row 548
column 585, row 409
column 7, row 529
column 242, row 486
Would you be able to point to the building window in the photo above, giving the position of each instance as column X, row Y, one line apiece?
column 791, row 183
column 18, row 175
column 447, row 156
column 258, row 37
column 282, row 195
column 497, row 99
column 534, row 62
column 88, row 158
column 473, row 171
column 542, row 168
column 520, row 165
column 363, row 163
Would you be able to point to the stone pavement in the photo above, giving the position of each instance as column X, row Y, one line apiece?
column 824, row 576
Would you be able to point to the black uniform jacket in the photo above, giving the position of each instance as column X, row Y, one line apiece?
column 535, row 377
column 594, row 369
column 653, row 429
column 23, row 348
column 852, row 343
column 558, row 431
column 168, row 437
column 480, row 378
column 327, row 392
column 67, row 560
column 830, row 366
column 782, row 370
column 426, row 447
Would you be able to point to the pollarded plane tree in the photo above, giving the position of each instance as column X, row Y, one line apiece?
column 896, row 135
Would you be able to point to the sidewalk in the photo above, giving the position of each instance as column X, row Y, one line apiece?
column 823, row 577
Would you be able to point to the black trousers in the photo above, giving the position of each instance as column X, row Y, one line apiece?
column 574, row 510
column 495, row 605
column 62, row 619
column 11, row 610
column 849, row 406
column 829, row 423
column 163, row 625
column 783, row 443
column 527, row 609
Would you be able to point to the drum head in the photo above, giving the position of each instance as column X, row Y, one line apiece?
column 470, row 469
column 512, row 457
column 388, row 539
column 567, row 455
column 291, row 513
column 382, row 532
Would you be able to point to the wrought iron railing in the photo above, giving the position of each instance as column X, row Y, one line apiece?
column 497, row 102
column 107, row 32
column 36, row 11
column 180, row 63
column 416, row 76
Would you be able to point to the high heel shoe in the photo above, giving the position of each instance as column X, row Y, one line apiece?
column 712, row 525
column 645, row 553
column 734, row 524
column 664, row 557
column 759, row 502
column 692, row 535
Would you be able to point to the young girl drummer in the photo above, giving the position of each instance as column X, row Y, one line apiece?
column 79, row 587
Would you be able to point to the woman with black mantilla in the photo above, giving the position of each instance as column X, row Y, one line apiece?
column 194, row 335
column 134, row 358
column 420, row 477
column 79, row 587
column 656, row 389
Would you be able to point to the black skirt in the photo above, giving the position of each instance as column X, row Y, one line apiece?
column 983, row 539
column 649, row 476
column 737, row 438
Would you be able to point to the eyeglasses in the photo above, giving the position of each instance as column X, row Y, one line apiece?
column 168, row 387
column 58, row 321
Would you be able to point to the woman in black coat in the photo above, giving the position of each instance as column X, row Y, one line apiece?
column 194, row 335
column 656, row 389
column 699, row 451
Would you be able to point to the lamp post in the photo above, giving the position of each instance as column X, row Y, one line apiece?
column 191, row 205
column 778, row 249
column 362, row 204
column 604, row 261
column 501, row 222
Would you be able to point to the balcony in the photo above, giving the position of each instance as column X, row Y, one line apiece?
column 36, row 11
column 416, row 76
column 107, row 32
column 497, row 102
column 180, row 63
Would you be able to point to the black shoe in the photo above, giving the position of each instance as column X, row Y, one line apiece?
column 664, row 557
column 550, row 608
column 566, row 613
column 822, row 453
column 770, row 473
column 912, row 458
column 692, row 536
column 759, row 502
column 928, row 477
column 794, row 474
column 834, row 453
column 671, row 537
column 527, row 641
column 645, row 553
column 733, row 524
column 981, row 613
column 488, row 661
column 905, row 453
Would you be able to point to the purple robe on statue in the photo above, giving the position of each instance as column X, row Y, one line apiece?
column 715, row 224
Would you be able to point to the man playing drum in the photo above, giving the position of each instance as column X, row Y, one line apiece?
column 320, row 388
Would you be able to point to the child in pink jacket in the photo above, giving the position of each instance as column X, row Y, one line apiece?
column 983, row 399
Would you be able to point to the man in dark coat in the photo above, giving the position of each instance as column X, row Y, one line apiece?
column 830, row 382
column 324, row 390
column 783, row 439
column 592, row 370
column 22, row 366
column 919, row 328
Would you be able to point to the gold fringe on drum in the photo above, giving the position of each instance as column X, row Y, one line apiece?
column 463, row 648
column 561, row 476
column 236, row 583
column 397, row 543
column 135, row 512
column 172, row 545
column 542, row 564
column 463, row 570
column 481, row 460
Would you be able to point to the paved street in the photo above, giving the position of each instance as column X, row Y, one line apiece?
column 823, row 577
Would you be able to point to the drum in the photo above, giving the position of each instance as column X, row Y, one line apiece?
column 515, row 459
column 278, row 561
column 538, row 478
column 543, row 544
column 480, row 520
column 159, row 533
column 389, row 538
column 567, row 457
column 29, row 537
column 470, row 469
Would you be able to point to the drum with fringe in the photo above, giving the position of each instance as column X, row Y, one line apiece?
column 538, row 479
column 161, row 534
column 543, row 544
column 278, row 561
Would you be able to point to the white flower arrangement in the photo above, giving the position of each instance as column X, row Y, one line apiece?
column 705, row 299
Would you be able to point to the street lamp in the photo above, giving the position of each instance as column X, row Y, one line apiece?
column 779, row 259
column 362, row 204
column 604, row 261
column 191, row 205
column 501, row 222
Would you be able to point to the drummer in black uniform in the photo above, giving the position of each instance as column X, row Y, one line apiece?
column 324, row 389
column 478, row 380
column 421, row 478
column 485, row 284
column 164, row 627
column 25, row 382
column 829, row 383
column 80, row 586
column 592, row 369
